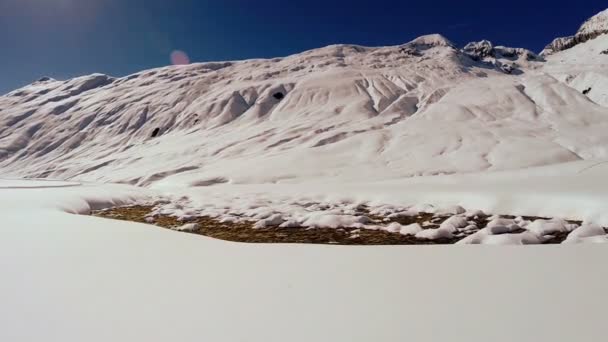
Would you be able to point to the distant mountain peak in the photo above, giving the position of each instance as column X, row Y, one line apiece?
column 504, row 58
column 431, row 40
column 591, row 28
column 597, row 23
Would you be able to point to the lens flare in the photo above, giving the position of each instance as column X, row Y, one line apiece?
column 179, row 58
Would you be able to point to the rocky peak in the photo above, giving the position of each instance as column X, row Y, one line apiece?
column 430, row 41
column 45, row 79
column 592, row 28
column 504, row 58
column 595, row 24
column 485, row 49
column 479, row 50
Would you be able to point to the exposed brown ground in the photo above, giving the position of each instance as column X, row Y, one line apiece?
column 244, row 231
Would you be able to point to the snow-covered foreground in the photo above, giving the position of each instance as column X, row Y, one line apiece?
column 79, row 278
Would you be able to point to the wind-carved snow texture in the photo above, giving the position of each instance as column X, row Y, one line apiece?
column 426, row 106
column 342, row 113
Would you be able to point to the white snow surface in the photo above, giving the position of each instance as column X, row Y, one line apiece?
column 587, row 232
column 69, row 278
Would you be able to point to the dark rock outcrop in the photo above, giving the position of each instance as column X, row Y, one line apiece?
column 44, row 79
column 479, row 50
column 485, row 49
column 501, row 57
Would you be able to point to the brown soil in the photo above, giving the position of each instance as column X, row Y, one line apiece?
column 244, row 231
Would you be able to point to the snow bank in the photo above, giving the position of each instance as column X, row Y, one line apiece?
column 588, row 233
column 66, row 276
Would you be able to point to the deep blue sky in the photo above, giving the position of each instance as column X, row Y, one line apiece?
column 66, row 38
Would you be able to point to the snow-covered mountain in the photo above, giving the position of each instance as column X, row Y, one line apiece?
column 342, row 111
column 592, row 28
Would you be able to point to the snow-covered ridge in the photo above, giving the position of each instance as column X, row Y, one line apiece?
column 592, row 28
column 595, row 24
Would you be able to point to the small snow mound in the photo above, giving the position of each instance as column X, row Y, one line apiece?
column 228, row 219
column 423, row 208
column 525, row 238
column 475, row 213
column 454, row 223
column 411, row 229
column 585, row 231
column 548, row 227
column 434, row 234
column 484, row 237
column 291, row 224
column 453, row 210
column 501, row 222
column 394, row 227
column 189, row 227
column 272, row 221
column 470, row 228
column 590, row 239
column 500, row 229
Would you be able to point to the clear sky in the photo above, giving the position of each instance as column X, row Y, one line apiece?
column 66, row 38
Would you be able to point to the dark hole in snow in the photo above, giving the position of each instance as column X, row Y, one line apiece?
column 155, row 132
column 605, row 52
column 586, row 91
column 279, row 96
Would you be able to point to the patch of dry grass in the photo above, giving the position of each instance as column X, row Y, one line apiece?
column 244, row 231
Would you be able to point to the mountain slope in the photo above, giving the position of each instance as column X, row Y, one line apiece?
column 591, row 29
column 357, row 113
